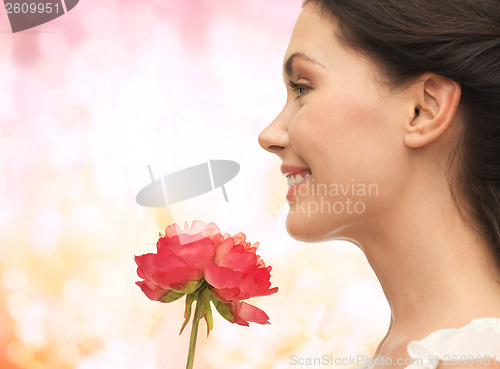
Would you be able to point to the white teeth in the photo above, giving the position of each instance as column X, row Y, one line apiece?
column 294, row 179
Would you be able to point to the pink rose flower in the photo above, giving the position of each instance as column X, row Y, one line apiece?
column 200, row 257
column 238, row 273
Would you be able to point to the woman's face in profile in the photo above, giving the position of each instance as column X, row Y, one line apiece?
column 341, row 126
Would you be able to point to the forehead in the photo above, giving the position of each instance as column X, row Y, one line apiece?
column 313, row 35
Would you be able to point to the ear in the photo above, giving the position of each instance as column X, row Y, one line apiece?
column 436, row 100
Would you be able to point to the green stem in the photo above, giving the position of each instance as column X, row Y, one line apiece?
column 194, row 331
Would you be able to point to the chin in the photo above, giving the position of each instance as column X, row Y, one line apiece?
column 302, row 228
column 316, row 229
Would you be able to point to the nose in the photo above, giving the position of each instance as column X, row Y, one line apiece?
column 274, row 138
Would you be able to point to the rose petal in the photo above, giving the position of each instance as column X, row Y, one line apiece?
column 172, row 230
column 259, row 273
column 140, row 273
column 226, row 294
column 219, row 277
column 145, row 265
column 238, row 259
column 166, row 243
column 196, row 254
column 152, row 291
column 239, row 238
column 151, row 263
column 175, row 242
column 248, row 313
column 256, row 283
column 176, row 278
column 211, row 230
column 166, row 269
column 198, row 226
column 223, row 249
column 189, row 238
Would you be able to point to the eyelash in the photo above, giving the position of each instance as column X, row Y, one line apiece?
column 296, row 87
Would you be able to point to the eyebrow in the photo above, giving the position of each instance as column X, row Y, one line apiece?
column 288, row 65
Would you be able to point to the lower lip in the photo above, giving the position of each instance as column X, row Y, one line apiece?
column 292, row 191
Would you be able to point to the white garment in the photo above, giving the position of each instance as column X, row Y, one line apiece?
column 479, row 338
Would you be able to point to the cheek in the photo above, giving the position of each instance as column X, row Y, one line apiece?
column 347, row 122
column 346, row 136
column 316, row 128
column 342, row 129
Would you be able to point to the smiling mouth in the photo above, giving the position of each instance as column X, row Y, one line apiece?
column 297, row 178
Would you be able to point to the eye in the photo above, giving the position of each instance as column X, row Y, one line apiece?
column 300, row 89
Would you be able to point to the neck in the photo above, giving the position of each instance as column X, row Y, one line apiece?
column 434, row 270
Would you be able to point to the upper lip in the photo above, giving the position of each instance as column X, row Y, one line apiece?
column 289, row 169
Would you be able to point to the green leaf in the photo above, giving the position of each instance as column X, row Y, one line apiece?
column 187, row 312
column 222, row 308
column 172, row 296
column 190, row 287
column 206, row 309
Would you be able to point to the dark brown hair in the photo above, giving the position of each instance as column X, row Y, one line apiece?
column 459, row 40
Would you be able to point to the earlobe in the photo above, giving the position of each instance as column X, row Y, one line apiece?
column 436, row 100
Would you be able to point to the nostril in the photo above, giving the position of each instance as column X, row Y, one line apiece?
column 275, row 148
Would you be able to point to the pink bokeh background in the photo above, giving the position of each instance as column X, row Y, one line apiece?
column 87, row 102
